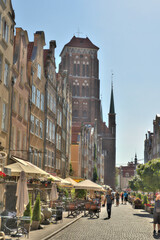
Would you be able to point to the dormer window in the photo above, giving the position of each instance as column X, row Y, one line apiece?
column 39, row 72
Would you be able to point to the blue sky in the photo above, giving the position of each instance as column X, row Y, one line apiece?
column 127, row 33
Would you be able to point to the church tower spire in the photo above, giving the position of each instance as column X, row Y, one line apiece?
column 112, row 109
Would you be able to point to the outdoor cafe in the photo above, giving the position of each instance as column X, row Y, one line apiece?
column 34, row 197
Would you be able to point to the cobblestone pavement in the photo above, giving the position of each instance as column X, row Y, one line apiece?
column 126, row 223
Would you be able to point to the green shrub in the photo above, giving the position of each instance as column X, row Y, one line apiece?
column 139, row 195
column 145, row 199
column 37, row 210
column 28, row 212
column 80, row 193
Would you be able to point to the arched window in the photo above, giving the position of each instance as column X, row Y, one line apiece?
column 83, row 91
column 74, row 69
column 84, row 114
column 77, row 90
column 75, row 113
column 87, row 91
column 74, row 90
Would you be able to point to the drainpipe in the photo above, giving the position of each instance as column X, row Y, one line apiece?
column 10, row 121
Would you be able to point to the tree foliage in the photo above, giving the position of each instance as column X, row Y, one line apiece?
column 37, row 210
column 148, row 178
column 95, row 175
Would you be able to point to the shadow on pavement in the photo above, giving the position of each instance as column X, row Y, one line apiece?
column 143, row 215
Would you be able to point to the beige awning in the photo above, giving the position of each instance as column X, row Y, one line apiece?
column 71, row 181
column 30, row 169
column 88, row 185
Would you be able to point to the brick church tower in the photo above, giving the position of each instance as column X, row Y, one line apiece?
column 79, row 58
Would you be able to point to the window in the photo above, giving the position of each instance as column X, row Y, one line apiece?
column 83, row 70
column 47, row 129
column 74, row 69
column 54, row 104
column 12, row 138
column 77, row 90
column 53, row 132
column 78, row 69
column 1, row 62
column 38, row 99
column 84, row 113
column 50, row 130
column 30, row 155
column 35, row 157
column 33, row 94
column 87, row 70
column 40, row 129
column 40, row 160
column 36, row 126
column 6, row 74
column 49, row 158
column 5, row 30
column 32, row 124
column 18, row 140
column 74, row 90
column 52, row 159
column 39, row 72
column 83, row 91
column 87, row 91
column 42, row 102
column 4, row 116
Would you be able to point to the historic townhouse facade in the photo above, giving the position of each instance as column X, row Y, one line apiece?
column 6, row 62
column 152, row 141
column 59, row 161
column 20, row 97
column 37, row 82
column 50, row 109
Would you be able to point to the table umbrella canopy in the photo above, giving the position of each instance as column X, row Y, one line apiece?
column 53, row 194
column 71, row 181
column 22, row 194
column 88, row 185
column 55, row 179
column 65, row 183
column 30, row 169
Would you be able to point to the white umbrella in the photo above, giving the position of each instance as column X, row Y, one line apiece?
column 53, row 194
column 22, row 194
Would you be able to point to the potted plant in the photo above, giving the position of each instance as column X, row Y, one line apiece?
column 28, row 213
column 36, row 214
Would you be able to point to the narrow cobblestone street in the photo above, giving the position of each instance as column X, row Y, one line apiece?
column 125, row 223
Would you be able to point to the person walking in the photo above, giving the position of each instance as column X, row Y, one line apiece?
column 121, row 197
column 125, row 197
column 156, row 215
column 117, row 198
column 108, row 200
